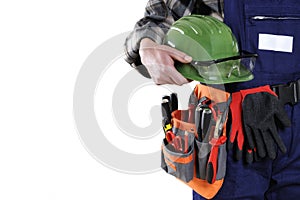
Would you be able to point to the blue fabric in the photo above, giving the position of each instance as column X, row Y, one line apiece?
column 268, row 179
column 271, row 67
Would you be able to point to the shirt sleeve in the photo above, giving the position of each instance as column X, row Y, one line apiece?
column 156, row 22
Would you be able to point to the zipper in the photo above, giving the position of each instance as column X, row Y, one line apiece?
column 274, row 18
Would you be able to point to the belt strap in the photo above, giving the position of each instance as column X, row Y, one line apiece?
column 288, row 93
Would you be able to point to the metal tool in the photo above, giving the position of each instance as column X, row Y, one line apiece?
column 216, row 141
column 198, row 116
column 186, row 142
column 175, row 141
column 212, row 164
column 205, row 123
column 193, row 101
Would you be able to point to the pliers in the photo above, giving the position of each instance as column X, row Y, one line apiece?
column 216, row 141
column 174, row 140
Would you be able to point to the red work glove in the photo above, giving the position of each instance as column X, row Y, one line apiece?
column 236, row 135
column 251, row 155
column 261, row 109
column 265, row 88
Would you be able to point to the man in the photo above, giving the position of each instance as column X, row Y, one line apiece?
column 266, row 27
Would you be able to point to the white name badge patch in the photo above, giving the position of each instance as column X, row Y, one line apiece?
column 271, row 42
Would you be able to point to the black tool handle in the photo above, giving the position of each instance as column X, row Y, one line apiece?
column 198, row 116
column 166, row 97
column 174, row 102
column 165, row 109
column 166, row 115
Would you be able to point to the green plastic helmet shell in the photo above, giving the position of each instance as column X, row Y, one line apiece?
column 205, row 38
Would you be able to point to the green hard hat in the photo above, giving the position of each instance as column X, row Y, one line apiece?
column 214, row 49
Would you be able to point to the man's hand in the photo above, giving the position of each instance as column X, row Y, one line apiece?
column 159, row 61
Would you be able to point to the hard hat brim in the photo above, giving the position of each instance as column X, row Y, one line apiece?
column 190, row 72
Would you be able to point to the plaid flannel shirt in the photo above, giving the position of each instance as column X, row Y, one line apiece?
column 158, row 18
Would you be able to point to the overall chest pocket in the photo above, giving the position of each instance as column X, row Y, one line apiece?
column 273, row 32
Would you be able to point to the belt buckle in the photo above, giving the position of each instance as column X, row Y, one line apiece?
column 288, row 93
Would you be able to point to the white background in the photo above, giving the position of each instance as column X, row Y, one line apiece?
column 43, row 45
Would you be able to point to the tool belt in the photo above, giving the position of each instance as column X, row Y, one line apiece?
column 194, row 148
column 288, row 93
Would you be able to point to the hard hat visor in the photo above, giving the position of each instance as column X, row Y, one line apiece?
column 225, row 70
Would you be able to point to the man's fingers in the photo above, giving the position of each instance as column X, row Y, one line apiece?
column 172, row 52
column 159, row 61
column 165, row 74
column 178, row 55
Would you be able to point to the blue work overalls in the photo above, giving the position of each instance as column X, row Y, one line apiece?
column 270, row 28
